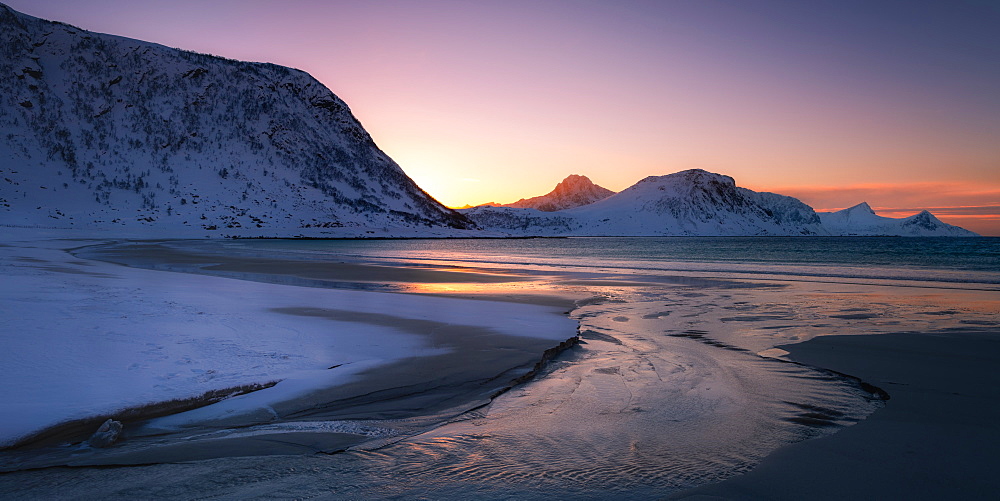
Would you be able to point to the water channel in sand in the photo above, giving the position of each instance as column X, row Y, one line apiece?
column 677, row 381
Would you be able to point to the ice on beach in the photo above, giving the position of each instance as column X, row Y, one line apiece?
column 84, row 338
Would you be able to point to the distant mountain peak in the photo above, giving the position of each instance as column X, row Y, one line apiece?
column 925, row 220
column 691, row 202
column 862, row 220
column 694, row 177
column 698, row 202
column 574, row 182
column 574, row 191
column 862, row 207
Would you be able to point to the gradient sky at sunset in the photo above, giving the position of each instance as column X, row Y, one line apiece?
column 896, row 103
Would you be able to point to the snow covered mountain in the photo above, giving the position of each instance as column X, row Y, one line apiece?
column 696, row 202
column 574, row 191
column 699, row 203
column 863, row 221
column 691, row 202
column 523, row 222
column 104, row 132
column 100, row 131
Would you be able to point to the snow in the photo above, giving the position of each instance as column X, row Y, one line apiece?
column 92, row 338
column 863, row 221
column 105, row 132
column 699, row 203
column 522, row 222
column 696, row 202
column 691, row 202
column 574, row 191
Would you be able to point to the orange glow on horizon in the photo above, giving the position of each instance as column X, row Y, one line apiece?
column 484, row 102
column 974, row 205
column 944, row 200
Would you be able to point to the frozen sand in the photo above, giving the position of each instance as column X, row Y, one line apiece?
column 94, row 338
column 517, row 448
column 937, row 438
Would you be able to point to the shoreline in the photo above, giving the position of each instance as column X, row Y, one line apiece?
column 438, row 332
column 935, row 439
column 78, row 430
column 746, row 317
column 448, row 281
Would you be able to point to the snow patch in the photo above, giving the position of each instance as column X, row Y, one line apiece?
column 93, row 338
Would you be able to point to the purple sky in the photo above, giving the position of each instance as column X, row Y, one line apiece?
column 892, row 102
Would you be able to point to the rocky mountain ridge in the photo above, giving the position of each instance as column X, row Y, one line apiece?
column 700, row 203
column 100, row 131
column 574, row 191
column 861, row 220
column 107, row 133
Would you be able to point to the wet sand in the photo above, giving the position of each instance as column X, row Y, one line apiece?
column 403, row 398
column 634, row 410
column 934, row 439
column 486, row 283
column 470, row 364
column 156, row 255
column 937, row 437
column 80, row 429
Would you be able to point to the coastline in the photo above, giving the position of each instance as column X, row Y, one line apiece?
column 430, row 357
column 706, row 336
column 935, row 439
column 78, row 430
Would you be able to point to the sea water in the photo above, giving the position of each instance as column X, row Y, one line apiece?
column 968, row 262
column 679, row 379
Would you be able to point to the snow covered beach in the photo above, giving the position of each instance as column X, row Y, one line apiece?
column 666, row 391
column 88, row 340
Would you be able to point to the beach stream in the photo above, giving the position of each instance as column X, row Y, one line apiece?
column 678, row 380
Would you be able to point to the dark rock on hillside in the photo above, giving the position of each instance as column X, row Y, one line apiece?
column 574, row 191
column 100, row 131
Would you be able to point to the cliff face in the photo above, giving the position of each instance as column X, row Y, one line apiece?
column 103, row 131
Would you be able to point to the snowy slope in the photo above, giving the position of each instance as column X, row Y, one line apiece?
column 574, row 191
column 691, row 202
column 522, row 222
column 862, row 220
column 100, row 131
column 696, row 202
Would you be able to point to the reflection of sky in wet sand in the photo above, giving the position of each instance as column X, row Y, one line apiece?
column 667, row 389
